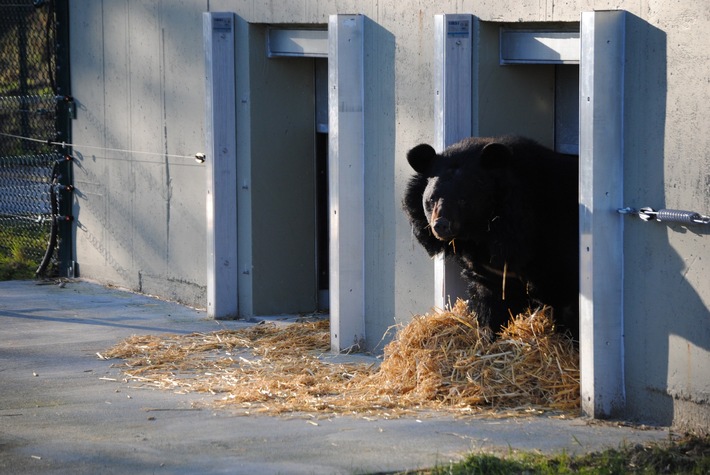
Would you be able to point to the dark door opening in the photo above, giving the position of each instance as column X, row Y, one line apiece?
column 294, row 276
column 322, row 224
column 321, row 164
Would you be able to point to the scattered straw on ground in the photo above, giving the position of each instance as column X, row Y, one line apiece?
column 441, row 361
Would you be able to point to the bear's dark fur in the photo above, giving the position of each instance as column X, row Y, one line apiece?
column 506, row 208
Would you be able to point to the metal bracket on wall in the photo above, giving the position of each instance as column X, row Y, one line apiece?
column 667, row 215
column 70, row 104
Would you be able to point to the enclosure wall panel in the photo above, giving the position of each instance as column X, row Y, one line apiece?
column 139, row 93
column 666, row 268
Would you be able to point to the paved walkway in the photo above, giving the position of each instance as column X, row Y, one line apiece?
column 63, row 410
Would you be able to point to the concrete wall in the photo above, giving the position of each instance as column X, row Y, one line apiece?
column 667, row 165
column 137, row 75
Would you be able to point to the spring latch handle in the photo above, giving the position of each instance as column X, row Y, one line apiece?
column 667, row 215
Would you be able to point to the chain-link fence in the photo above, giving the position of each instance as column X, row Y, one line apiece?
column 34, row 174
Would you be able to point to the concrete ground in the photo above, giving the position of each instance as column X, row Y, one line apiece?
column 64, row 410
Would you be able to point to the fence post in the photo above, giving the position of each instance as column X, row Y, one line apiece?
column 221, row 165
column 601, row 192
column 453, row 120
column 346, row 169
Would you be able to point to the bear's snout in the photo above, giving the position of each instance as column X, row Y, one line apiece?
column 443, row 229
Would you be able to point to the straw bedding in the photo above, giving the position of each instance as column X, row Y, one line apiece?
column 441, row 360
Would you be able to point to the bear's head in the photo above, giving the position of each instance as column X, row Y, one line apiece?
column 464, row 185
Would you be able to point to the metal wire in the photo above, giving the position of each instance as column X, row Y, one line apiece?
column 94, row 147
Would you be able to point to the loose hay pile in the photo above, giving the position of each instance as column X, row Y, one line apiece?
column 441, row 360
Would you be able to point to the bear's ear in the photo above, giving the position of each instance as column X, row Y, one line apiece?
column 421, row 158
column 495, row 155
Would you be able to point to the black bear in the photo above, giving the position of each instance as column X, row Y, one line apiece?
column 506, row 208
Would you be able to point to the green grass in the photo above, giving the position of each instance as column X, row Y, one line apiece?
column 13, row 269
column 689, row 455
column 21, row 249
